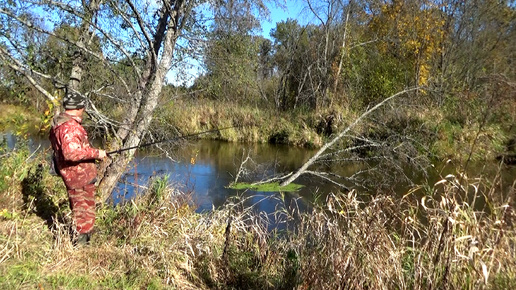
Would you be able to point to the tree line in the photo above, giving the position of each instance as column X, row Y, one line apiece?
column 360, row 52
column 354, row 54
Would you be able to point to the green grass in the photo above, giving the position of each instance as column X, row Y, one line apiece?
column 266, row 187
column 158, row 241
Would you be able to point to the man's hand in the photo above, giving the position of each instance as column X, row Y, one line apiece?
column 102, row 154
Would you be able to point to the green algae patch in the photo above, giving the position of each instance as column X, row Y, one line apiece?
column 266, row 187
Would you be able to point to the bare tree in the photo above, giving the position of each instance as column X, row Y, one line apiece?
column 304, row 169
column 143, row 33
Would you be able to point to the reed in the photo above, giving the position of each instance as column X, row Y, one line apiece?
column 436, row 236
column 254, row 124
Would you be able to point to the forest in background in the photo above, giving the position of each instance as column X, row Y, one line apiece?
column 455, row 61
column 313, row 77
column 301, row 87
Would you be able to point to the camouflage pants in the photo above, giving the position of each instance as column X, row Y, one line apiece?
column 82, row 203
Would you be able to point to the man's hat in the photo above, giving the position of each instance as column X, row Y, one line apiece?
column 73, row 101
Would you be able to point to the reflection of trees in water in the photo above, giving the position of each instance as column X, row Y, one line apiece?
column 224, row 159
column 218, row 162
column 267, row 158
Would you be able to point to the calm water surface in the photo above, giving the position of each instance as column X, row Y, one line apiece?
column 205, row 169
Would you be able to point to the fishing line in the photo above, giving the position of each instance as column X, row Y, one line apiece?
column 168, row 140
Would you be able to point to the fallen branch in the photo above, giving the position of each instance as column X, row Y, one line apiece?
column 317, row 155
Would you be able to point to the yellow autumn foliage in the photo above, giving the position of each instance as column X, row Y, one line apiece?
column 415, row 32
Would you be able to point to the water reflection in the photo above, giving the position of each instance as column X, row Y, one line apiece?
column 34, row 143
column 206, row 168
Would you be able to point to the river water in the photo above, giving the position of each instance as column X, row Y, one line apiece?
column 205, row 168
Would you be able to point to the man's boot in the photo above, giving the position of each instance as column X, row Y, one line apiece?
column 83, row 239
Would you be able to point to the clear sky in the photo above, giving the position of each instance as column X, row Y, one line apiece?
column 293, row 10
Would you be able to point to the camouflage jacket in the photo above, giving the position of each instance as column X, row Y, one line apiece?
column 74, row 156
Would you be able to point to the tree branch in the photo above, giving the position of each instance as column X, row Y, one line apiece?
column 19, row 68
column 317, row 155
column 81, row 47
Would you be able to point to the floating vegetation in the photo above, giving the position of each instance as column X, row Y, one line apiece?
column 266, row 187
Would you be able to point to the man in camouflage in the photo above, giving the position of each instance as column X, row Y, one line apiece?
column 75, row 160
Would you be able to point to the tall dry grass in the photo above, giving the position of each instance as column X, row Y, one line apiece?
column 251, row 123
column 436, row 236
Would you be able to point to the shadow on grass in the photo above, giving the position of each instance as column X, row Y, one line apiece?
column 36, row 200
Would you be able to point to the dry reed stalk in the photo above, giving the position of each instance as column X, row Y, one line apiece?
column 433, row 237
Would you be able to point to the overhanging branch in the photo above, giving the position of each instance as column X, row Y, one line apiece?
column 26, row 72
column 317, row 155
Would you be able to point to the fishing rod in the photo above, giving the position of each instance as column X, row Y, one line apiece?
column 168, row 140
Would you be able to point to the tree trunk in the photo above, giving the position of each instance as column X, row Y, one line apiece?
column 303, row 169
column 145, row 110
column 342, row 49
column 85, row 37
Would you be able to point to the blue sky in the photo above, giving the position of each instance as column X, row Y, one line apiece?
column 293, row 9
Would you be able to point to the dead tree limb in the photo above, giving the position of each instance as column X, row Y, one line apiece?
column 304, row 169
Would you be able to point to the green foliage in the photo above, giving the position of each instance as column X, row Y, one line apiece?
column 373, row 76
column 23, row 274
column 232, row 65
column 30, row 274
column 18, row 119
column 232, row 55
column 266, row 187
column 8, row 215
column 244, row 269
column 13, row 167
column 159, row 187
column 292, row 275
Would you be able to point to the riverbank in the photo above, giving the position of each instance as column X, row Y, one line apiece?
column 19, row 118
column 432, row 237
column 434, row 133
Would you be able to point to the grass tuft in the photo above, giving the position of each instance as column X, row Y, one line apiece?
column 436, row 236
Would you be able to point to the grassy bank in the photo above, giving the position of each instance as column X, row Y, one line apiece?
column 433, row 237
column 19, row 118
column 252, row 124
column 435, row 132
